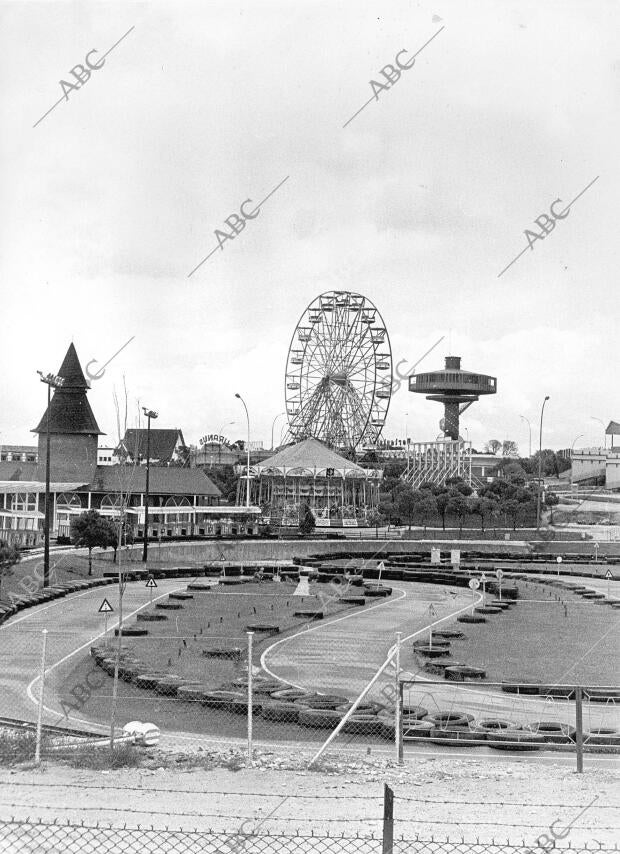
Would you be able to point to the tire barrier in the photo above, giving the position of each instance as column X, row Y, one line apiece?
column 220, row 699
column 377, row 591
column 151, row 618
column 271, row 628
column 169, row 606
column 552, row 731
column 309, row 614
column 180, row 596
column 496, row 725
column 364, row 724
column 416, row 729
column 353, row 600
column 440, row 643
column 132, row 632
column 503, row 606
column 289, row 694
column 200, row 586
column 431, row 651
column 454, row 736
column 471, row 618
column 20, row 603
column 602, row 735
column 322, row 702
column 223, row 652
column 460, row 672
column 487, row 609
column 516, row 739
column 451, row 719
column 285, row 712
column 437, row 666
column 523, row 686
column 319, row 718
column 449, row 634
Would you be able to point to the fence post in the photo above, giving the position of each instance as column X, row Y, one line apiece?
column 397, row 724
column 579, row 727
column 250, row 690
column 388, row 820
column 37, row 750
column 399, row 728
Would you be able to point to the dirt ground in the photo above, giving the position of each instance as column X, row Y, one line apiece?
column 446, row 796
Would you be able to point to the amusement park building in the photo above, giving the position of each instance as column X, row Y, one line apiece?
column 340, row 493
column 183, row 502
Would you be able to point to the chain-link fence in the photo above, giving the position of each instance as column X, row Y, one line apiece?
column 28, row 837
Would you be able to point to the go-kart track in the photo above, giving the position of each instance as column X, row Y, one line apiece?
column 336, row 655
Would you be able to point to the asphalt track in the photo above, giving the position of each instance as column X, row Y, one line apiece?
column 346, row 650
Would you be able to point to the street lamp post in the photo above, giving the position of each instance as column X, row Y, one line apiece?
column 529, row 427
column 247, row 482
column 542, row 410
column 51, row 381
column 145, row 545
column 279, row 415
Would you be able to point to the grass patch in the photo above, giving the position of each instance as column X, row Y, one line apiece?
column 540, row 639
column 16, row 747
column 104, row 759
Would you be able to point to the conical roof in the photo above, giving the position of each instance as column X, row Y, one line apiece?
column 70, row 411
column 312, row 456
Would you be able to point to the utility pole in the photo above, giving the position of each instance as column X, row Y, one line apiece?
column 542, row 410
column 51, row 381
column 145, row 545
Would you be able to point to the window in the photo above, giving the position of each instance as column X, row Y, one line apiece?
column 24, row 501
column 68, row 499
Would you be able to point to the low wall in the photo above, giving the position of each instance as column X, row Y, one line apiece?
column 257, row 550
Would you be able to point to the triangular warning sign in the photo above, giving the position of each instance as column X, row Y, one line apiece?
column 151, row 583
column 105, row 607
column 608, row 574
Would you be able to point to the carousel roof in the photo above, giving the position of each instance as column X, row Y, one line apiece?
column 310, row 457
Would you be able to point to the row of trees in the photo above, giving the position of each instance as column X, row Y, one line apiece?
column 507, row 499
column 90, row 530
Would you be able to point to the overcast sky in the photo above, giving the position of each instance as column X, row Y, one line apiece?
column 419, row 203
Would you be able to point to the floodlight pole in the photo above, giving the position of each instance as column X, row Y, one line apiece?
column 145, row 545
column 55, row 381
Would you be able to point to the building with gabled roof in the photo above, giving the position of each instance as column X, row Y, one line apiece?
column 166, row 446
column 183, row 502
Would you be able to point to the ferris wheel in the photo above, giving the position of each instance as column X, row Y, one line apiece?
column 339, row 372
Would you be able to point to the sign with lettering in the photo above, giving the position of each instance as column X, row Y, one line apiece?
column 214, row 439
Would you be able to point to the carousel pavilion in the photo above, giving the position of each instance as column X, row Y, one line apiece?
column 339, row 492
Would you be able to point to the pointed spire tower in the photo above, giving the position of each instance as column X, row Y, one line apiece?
column 73, row 428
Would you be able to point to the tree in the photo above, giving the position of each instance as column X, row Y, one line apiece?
column 442, row 500
column 9, row 556
column 486, row 508
column 493, row 446
column 551, row 501
column 114, row 527
column 511, row 508
column 307, row 522
column 509, row 448
column 376, row 518
column 459, row 506
column 89, row 530
column 425, row 507
column 405, row 502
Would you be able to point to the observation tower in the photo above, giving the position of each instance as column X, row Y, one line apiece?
column 449, row 456
column 455, row 388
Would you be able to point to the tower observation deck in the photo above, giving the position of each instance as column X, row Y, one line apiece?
column 455, row 388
